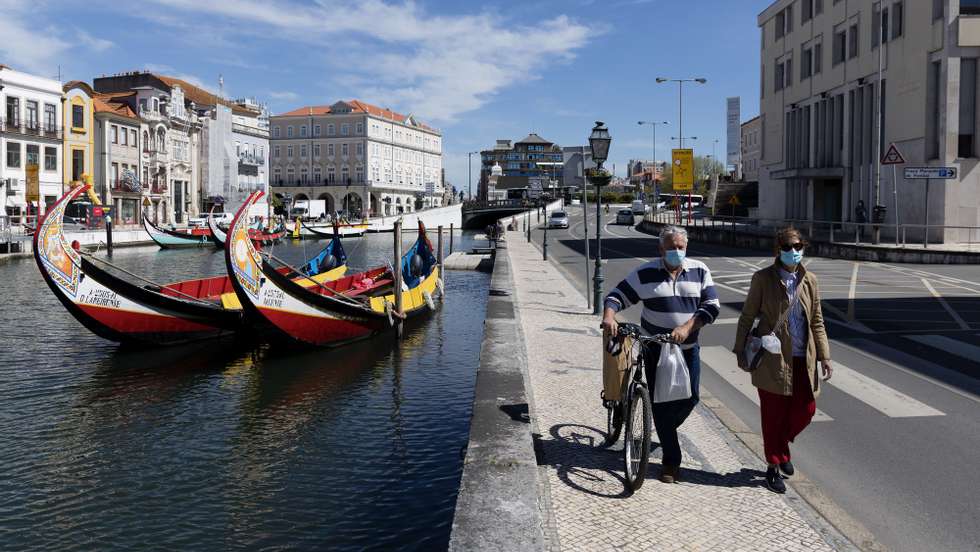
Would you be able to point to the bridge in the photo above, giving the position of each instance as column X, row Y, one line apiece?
column 478, row 214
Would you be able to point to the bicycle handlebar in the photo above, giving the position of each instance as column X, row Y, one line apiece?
column 636, row 332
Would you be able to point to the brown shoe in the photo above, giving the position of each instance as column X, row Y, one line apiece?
column 670, row 474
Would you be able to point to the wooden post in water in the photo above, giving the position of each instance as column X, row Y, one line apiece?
column 439, row 254
column 398, row 278
column 451, row 231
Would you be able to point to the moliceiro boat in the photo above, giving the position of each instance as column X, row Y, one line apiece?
column 345, row 230
column 105, row 299
column 169, row 239
column 217, row 234
column 336, row 312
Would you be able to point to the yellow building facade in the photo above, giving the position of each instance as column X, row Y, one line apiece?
column 79, row 145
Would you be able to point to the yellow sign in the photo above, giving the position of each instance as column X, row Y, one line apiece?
column 146, row 202
column 33, row 184
column 683, row 169
column 734, row 201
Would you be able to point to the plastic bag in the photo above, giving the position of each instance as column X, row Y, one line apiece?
column 673, row 380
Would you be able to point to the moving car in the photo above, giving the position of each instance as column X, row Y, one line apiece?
column 558, row 219
column 639, row 207
column 625, row 216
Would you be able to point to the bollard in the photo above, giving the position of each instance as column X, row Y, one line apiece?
column 544, row 248
column 439, row 246
column 529, row 227
column 398, row 279
column 108, row 235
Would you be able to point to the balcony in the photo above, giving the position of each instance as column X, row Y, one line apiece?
column 249, row 159
column 158, row 189
column 250, row 131
column 31, row 128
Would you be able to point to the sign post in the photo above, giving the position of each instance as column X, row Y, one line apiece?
column 683, row 175
column 927, row 174
column 894, row 158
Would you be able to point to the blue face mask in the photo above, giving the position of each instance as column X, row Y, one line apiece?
column 791, row 257
column 675, row 257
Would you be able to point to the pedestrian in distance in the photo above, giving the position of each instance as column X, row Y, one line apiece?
column 678, row 298
column 861, row 216
column 785, row 297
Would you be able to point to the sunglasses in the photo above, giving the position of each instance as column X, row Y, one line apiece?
column 797, row 246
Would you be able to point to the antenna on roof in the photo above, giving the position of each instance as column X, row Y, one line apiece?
column 221, row 86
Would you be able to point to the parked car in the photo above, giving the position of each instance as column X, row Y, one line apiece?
column 625, row 216
column 558, row 219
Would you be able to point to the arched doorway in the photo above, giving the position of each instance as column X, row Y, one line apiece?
column 330, row 203
column 375, row 205
column 352, row 206
column 301, row 197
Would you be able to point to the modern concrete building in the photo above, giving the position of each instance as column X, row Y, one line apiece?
column 360, row 158
column 751, row 149
column 531, row 164
column 170, row 137
column 819, row 96
column 31, row 133
column 577, row 160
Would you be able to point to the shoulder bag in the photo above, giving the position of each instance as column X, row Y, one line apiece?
column 757, row 346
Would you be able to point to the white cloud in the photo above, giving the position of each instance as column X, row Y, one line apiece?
column 26, row 46
column 436, row 66
column 94, row 43
column 284, row 95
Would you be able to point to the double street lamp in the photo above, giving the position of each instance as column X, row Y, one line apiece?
column 599, row 144
column 680, row 101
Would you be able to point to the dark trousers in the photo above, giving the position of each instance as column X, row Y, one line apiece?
column 784, row 417
column 668, row 416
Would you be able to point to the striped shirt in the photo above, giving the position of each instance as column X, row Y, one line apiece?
column 668, row 302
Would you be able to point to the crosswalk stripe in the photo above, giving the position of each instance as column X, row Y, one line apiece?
column 877, row 395
column 722, row 361
column 952, row 346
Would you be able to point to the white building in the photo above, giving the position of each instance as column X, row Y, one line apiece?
column 358, row 157
column 819, row 90
column 31, row 133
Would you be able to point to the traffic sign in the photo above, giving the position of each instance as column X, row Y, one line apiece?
column 912, row 173
column 734, row 200
column 683, row 169
column 892, row 156
column 146, row 202
column 33, row 183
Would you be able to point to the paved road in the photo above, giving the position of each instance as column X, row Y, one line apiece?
column 896, row 441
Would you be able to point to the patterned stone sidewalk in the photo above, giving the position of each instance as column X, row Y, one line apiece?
column 720, row 503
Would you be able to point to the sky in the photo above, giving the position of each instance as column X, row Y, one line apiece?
column 477, row 71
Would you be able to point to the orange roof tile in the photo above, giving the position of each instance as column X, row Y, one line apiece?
column 201, row 96
column 104, row 103
column 357, row 107
column 308, row 110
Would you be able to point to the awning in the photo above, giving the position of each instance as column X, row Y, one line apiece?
column 808, row 172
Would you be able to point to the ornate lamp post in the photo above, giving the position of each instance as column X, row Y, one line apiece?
column 599, row 143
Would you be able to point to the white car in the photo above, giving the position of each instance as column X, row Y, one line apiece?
column 625, row 216
column 558, row 219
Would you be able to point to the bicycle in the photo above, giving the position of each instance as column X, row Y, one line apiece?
column 635, row 405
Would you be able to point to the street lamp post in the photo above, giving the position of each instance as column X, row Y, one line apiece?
column 654, row 125
column 469, row 157
column 680, row 113
column 599, row 143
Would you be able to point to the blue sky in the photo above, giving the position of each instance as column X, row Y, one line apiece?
column 478, row 71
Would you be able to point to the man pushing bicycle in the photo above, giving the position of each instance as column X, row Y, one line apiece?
column 678, row 298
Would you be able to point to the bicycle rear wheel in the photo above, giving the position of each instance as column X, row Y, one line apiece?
column 639, row 424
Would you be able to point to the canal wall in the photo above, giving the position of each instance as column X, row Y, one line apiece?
column 432, row 218
column 89, row 239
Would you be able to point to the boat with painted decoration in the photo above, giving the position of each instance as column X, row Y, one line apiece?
column 170, row 239
column 105, row 299
column 340, row 311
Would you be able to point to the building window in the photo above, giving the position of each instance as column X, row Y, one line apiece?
column 789, row 73
column 123, row 138
column 359, row 128
column 898, row 19
column 853, row 42
column 806, row 11
column 302, row 150
column 50, row 116
column 360, row 149
column 77, row 164
column 344, row 129
column 114, row 134
column 32, row 115
column 316, row 150
column 289, row 132
column 780, row 25
column 132, row 137
column 806, row 63
column 33, row 154
column 932, row 115
column 789, row 19
column 330, row 150
column 302, row 131
column 13, row 111
column 840, row 41
column 817, row 58
column 938, row 9
column 50, row 159
column 289, row 152
column 78, row 116
column 968, row 111
column 969, row 7
column 276, row 151
column 818, row 7
column 330, row 129
column 275, row 132
column 316, row 130
column 13, row 155
column 344, row 149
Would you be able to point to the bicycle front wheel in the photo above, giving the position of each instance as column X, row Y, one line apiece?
column 639, row 424
column 614, row 424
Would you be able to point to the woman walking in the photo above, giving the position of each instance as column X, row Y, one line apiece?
column 786, row 299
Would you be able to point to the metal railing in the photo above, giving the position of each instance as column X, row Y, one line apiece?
column 321, row 183
column 852, row 233
column 31, row 128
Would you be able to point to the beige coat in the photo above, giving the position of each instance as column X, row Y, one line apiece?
column 767, row 300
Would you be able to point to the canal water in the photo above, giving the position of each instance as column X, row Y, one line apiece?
column 228, row 444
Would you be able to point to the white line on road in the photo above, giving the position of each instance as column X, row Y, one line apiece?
column 722, row 361
column 952, row 346
column 879, row 396
column 949, row 309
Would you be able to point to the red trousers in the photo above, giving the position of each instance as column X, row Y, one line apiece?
column 784, row 417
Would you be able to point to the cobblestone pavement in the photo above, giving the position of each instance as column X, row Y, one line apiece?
column 720, row 503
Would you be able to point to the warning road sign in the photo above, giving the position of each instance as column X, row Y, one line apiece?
column 892, row 156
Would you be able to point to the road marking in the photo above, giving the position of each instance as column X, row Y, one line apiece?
column 742, row 281
column 725, row 321
column 855, row 325
column 949, row 309
column 852, row 291
column 722, row 361
column 922, row 274
column 877, row 395
column 949, row 345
